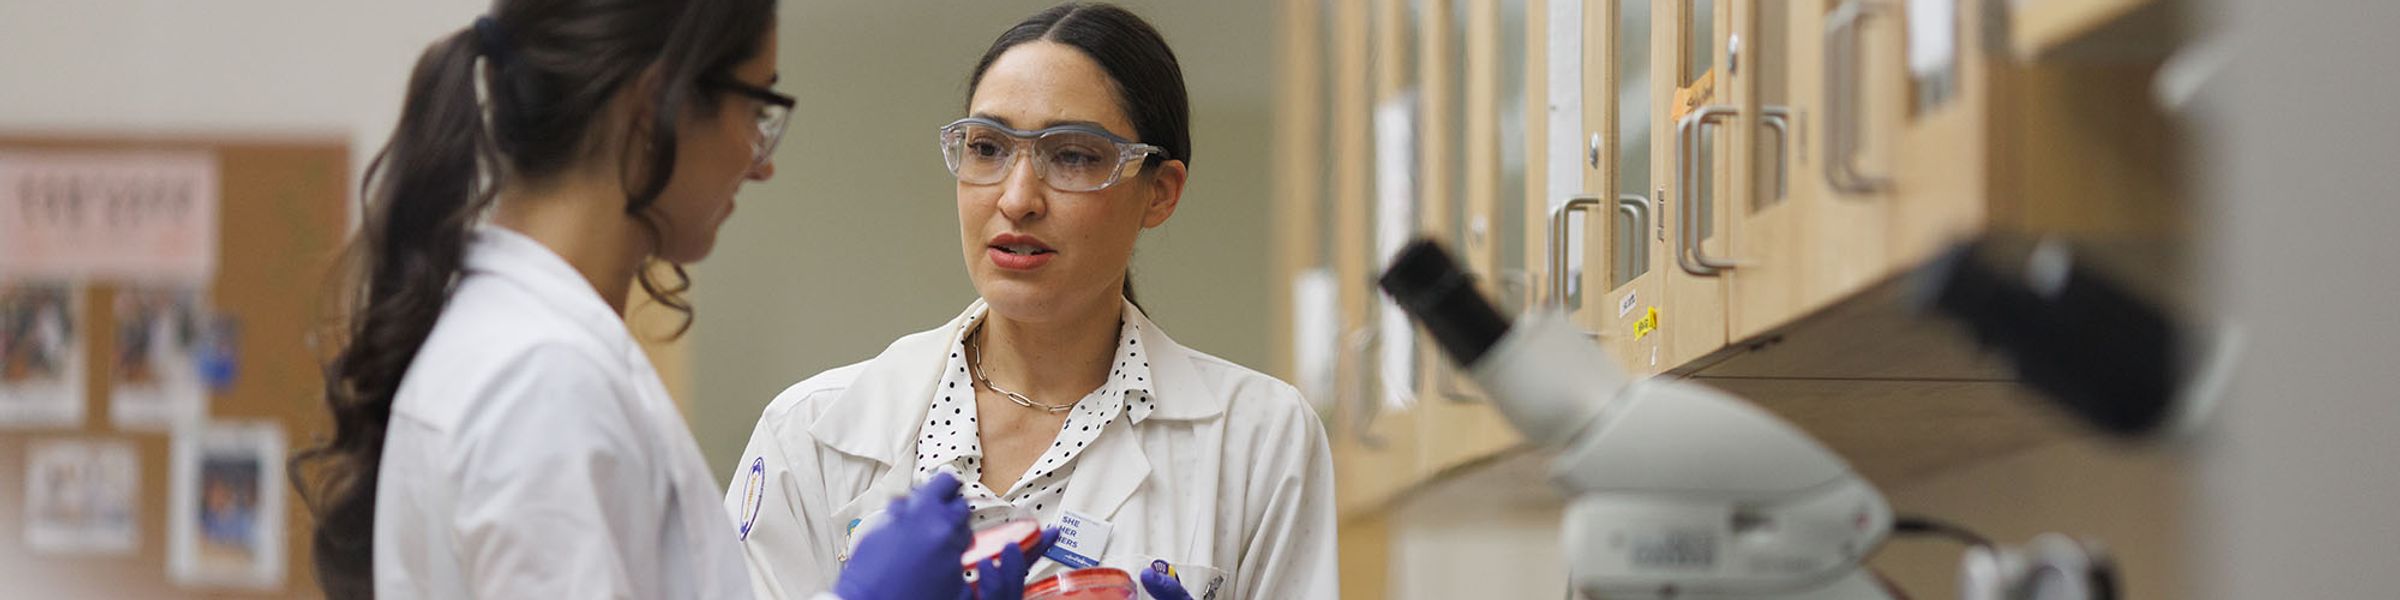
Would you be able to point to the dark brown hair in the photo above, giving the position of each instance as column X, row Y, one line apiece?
column 550, row 69
column 1149, row 82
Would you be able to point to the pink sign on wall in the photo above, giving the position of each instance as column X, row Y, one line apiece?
column 142, row 215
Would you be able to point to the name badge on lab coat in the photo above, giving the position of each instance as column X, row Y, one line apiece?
column 1081, row 539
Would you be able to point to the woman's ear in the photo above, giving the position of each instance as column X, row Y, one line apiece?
column 641, row 99
column 634, row 106
column 1166, row 191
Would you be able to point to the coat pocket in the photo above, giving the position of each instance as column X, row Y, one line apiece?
column 854, row 520
column 1203, row 582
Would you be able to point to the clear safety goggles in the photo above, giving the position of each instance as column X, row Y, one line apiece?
column 773, row 115
column 1071, row 158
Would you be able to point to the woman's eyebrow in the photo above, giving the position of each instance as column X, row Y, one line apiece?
column 1004, row 122
column 1091, row 124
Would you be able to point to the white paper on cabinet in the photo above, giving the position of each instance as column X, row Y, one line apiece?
column 1932, row 37
column 1395, row 224
column 1316, row 335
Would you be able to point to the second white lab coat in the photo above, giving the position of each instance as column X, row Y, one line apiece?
column 533, row 453
column 1230, row 476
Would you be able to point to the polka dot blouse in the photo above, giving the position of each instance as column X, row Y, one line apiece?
column 949, row 436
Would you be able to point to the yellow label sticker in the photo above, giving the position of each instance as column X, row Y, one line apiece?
column 1649, row 323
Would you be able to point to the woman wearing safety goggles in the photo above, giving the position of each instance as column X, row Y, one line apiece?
column 1053, row 395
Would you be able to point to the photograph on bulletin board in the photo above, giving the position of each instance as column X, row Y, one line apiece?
column 80, row 497
column 155, row 376
column 41, row 355
column 225, row 506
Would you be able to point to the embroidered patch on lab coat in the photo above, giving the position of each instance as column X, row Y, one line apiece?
column 754, row 490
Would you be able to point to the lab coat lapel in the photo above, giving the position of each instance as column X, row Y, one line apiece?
column 1113, row 469
column 878, row 417
column 1179, row 392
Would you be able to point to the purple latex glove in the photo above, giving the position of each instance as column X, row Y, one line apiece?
column 914, row 556
column 1163, row 587
column 1003, row 577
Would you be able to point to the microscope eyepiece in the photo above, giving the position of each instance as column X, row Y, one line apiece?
column 1431, row 288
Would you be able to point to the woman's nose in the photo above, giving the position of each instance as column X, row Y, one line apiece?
column 764, row 170
column 1021, row 190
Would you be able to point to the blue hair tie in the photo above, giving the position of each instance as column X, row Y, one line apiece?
column 493, row 40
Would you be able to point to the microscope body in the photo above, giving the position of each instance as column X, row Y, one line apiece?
column 1678, row 490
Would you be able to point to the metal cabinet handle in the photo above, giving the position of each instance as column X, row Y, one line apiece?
column 1558, row 244
column 1634, row 214
column 1445, row 383
column 1779, row 118
column 1639, row 206
column 1688, row 132
column 1842, row 100
column 1363, row 342
column 1636, row 208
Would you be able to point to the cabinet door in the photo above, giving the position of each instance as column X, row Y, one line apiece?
column 1816, row 220
column 1841, row 191
column 1303, row 208
column 1940, row 114
column 1461, row 42
column 1375, row 430
column 1626, row 260
column 1767, row 213
column 1691, row 51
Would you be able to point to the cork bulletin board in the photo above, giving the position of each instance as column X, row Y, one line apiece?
column 282, row 210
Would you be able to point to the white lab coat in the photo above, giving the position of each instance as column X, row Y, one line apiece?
column 1230, row 475
column 533, row 453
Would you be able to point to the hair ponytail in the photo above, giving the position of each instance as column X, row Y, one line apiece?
column 423, row 194
column 549, row 69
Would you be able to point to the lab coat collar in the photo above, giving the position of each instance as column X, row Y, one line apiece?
column 878, row 417
column 517, row 258
column 1180, row 393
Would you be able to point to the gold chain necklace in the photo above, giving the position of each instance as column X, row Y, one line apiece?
column 976, row 368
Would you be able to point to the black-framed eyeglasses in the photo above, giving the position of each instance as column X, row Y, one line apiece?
column 773, row 116
column 1071, row 158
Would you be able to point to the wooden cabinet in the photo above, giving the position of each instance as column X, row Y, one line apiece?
column 1774, row 210
column 1755, row 180
column 1626, row 261
column 2105, row 29
column 1912, row 161
column 1375, row 430
column 1912, row 156
column 1688, row 49
column 1459, row 425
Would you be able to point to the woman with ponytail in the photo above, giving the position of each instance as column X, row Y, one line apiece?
column 498, row 433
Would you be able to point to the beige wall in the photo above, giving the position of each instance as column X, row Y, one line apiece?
column 855, row 243
column 268, row 69
column 2295, row 481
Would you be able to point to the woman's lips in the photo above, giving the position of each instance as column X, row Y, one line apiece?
column 1011, row 258
column 1017, row 252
